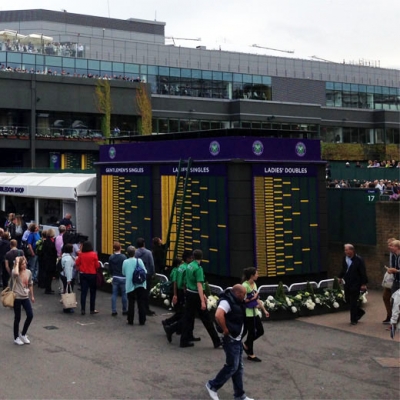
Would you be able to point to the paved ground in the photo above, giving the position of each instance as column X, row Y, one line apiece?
column 100, row 357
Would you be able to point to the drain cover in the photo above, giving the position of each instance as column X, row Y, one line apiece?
column 50, row 327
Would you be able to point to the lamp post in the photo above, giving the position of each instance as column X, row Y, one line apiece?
column 102, row 44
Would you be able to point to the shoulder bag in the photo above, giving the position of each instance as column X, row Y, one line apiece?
column 8, row 295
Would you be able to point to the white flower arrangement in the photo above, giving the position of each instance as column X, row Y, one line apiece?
column 309, row 304
column 363, row 298
column 212, row 302
column 155, row 291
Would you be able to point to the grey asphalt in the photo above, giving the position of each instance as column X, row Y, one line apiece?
column 101, row 357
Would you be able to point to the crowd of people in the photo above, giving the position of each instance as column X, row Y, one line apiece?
column 55, row 72
column 34, row 262
column 387, row 187
column 238, row 313
column 67, row 49
column 381, row 164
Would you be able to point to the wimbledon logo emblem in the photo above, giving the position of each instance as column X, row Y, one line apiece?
column 258, row 148
column 301, row 149
column 214, row 148
column 112, row 152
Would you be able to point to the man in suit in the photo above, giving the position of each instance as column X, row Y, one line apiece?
column 355, row 279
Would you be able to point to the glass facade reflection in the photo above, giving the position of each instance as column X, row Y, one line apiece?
column 163, row 80
column 362, row 96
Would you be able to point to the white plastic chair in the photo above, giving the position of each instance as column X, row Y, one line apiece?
column 302, row 286
column 162, row 278
column 271, row 289
column 215, row 289
column 326, row 283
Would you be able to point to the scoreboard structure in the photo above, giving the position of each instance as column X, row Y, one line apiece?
column 286, row 220
column 249, row 201
column 205, row 217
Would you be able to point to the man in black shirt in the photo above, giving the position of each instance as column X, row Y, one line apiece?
column 355, row 279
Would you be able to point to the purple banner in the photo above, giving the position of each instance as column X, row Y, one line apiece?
column 125, row 170
column 196, row 169
column 214, row 149
column 272, row 169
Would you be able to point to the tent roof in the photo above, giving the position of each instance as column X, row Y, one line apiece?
column 66, row 186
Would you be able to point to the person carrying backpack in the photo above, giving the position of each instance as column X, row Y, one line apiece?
column 147, row 257
column 135, row 285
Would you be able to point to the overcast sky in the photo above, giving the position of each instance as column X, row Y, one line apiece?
column 333, row 30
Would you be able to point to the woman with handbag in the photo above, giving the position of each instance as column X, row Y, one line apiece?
column 23, row 287
column 87, row 264
column 67, row 275
column 255, row 328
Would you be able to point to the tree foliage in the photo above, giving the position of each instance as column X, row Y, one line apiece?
column 143, row 103
column 104, row 105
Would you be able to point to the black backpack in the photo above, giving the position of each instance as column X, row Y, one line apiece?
column 139, row 274
column 25, row 248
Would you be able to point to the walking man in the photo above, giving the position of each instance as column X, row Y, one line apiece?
column 355, row 279
column 147, row 257
column 230, row 317
column 196, row 302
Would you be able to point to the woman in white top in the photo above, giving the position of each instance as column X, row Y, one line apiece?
column 68, row 271
column 22, row 284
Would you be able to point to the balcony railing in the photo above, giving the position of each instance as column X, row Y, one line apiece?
column 23, row 132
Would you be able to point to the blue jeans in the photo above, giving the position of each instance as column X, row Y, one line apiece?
column 233, row 368
column 88, row 282
column 118, row 285
column 33, row 267
column 26, row 304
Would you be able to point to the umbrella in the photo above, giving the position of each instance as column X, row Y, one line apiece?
column 36, row 38
column 13, row 35
column 78, row 124
column 59, row 123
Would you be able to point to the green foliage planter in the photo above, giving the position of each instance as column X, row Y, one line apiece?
column 358, row 151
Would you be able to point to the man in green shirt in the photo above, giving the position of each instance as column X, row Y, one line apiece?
column 177, row 278
column 196, row 302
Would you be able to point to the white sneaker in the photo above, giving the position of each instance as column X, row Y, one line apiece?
column 18, row 341
column 244, row 398
column 213, row 394
column 25, row 340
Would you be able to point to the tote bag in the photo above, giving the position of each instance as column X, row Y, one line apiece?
column 69, row 298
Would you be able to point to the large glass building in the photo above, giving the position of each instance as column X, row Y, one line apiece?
column 51, row 61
